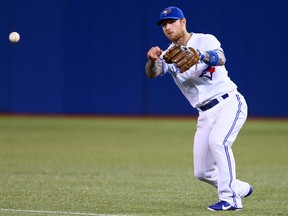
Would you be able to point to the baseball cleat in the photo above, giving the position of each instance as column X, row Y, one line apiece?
column 223, row 206
column 249, row 192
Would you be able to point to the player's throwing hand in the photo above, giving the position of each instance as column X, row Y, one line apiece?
column 154, row 53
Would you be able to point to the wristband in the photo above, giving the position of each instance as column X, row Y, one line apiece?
column 213, row 58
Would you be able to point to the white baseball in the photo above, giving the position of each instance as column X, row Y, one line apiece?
column 14, row 37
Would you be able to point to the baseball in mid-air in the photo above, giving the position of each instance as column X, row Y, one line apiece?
column 14, row 37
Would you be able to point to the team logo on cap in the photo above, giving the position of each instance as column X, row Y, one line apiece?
column 165, row 12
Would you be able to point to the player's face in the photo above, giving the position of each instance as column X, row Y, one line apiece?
column 174, row 29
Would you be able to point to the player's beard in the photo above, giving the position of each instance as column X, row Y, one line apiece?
column 176, row 37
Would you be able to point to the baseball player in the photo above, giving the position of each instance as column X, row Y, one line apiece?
column 222, row 109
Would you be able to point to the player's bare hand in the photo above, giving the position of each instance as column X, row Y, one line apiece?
column 154, row 53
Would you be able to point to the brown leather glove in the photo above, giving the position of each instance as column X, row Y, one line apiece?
column 184, row 57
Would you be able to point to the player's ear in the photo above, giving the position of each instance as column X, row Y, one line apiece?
column 183, row 21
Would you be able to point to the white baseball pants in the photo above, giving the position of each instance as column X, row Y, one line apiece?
column 214, row 163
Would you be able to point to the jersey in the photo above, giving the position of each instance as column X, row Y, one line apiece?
column 201, row 82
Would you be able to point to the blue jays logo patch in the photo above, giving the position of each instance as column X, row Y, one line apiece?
column 208, row 72
column 166, row 12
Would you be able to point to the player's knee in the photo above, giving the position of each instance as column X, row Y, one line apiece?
column 215, row 143
column 200, row 175
column 215, row 140
column 208, row 177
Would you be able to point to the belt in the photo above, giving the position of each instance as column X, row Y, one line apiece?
column 212, row 103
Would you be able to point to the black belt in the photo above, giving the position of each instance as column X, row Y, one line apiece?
column 212, row 103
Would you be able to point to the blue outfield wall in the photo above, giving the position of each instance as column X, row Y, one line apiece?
column 88, row 56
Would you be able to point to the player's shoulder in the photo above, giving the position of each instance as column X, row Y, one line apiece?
column 203, row 36
column 204, row 41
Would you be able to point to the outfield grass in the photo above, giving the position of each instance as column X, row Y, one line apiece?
column 135, row 166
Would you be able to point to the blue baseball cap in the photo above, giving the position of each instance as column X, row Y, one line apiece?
column 171, row 12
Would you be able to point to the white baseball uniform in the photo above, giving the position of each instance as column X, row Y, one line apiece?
column 217, row 126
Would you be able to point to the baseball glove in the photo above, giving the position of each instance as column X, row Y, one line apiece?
column 184, row 57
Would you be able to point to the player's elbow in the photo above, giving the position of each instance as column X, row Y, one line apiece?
column 222, row 58
column 221, row 62
column 150, row 74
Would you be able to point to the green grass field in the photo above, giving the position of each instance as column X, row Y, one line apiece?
column 120, row 166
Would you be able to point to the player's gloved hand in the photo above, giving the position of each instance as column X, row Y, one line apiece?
column 182, row 56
